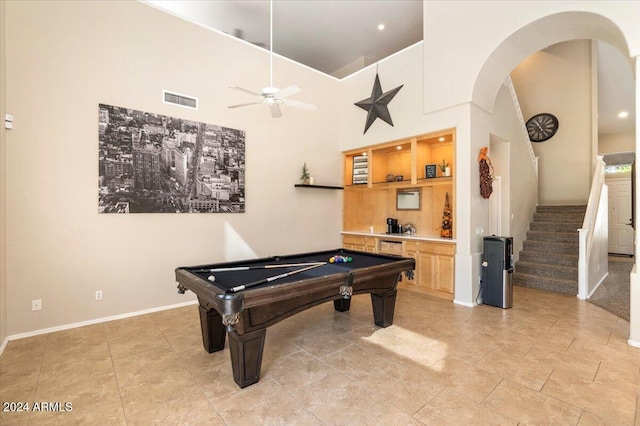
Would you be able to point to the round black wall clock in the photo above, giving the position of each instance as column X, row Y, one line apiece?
column 542, row 127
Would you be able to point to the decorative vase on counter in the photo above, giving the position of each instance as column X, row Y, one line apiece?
column 410, row 229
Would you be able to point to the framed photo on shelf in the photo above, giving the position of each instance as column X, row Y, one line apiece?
column 430, row 171
column 360, row 169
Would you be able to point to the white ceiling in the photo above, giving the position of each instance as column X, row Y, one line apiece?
column 339, row 37
column 616, row 91
column 326, row 35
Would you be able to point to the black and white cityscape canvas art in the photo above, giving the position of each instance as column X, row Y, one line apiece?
column 151, row 163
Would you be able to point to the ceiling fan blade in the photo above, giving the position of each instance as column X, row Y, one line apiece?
column 245, row 90
column 299, row 104
column 276, row 112
column 247, row 104
column 288, row 91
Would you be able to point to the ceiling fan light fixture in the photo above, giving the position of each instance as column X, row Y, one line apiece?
column 272, row 96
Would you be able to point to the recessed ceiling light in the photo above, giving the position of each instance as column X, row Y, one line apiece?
column 441, row 139
column 399, row 147
column 623, row 114
column 381, row 27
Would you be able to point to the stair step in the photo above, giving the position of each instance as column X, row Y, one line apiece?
column 559, row 217
column 555, row 226
column 551, row 247
column 565, row 237
column 567, row 208
column 556, row 285
column 549, row 258
column 547, row 270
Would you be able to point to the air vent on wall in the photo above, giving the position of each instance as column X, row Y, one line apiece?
column 180, row 100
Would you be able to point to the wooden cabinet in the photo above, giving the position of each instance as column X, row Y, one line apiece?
column 411, row 250
column 435, row 270
column 372, row 177
column 434, row 273
column 360, row 243
column 390, row 247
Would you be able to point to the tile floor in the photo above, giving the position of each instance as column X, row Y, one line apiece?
column 552, row 359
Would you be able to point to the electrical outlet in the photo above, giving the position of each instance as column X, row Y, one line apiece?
column 8, row 121
column 99, row 295
column 36, row 304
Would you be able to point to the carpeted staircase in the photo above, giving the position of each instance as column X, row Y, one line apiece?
column 549, row 259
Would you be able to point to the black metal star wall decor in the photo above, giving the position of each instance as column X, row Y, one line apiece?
column 376, row 105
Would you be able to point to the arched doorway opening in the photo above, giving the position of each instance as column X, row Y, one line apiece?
column 531, row 38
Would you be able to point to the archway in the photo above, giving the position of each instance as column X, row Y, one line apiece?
column 538, row 35
column 535, row 36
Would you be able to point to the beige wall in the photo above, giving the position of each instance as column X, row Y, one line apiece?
column 617, row 142
column 66, row 57
column 63, row 59
column 472, row 211
column 520, row 183
column 466, row 58
column 558, row 80
column 3, row 181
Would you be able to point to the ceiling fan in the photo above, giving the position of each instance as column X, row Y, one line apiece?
column 272, row 96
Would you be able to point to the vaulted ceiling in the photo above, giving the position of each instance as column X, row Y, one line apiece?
column 339, row 37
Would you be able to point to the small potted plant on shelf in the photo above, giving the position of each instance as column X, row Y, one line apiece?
column 444, row 168
column 305, row 178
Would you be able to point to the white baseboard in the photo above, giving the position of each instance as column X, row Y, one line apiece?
column 597, row 285
column 633, row 343
column 91, row 322
column 469, row 305
column 4, row 345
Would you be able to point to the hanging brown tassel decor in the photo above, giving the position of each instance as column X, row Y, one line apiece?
column 486, row 173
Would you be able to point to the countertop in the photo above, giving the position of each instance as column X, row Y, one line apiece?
column 400, row 237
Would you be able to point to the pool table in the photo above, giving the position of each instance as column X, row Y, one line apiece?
column 245, row 314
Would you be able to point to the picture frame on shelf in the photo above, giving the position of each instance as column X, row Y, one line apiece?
column 360, row 169
column 430, row 171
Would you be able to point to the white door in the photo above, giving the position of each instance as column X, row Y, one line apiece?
column 620, row 230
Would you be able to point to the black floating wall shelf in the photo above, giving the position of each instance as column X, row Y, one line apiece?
column 318, row 186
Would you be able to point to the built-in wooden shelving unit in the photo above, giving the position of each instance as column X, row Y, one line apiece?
column 373, row 176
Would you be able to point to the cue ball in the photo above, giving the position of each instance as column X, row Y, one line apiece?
column 211, row 278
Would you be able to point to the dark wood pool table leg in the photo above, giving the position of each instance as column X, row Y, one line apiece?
column 342, row 304
column 383, row 307
column 213, row 331
column 246, row 356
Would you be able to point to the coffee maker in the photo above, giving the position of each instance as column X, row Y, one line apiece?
column 393, row 227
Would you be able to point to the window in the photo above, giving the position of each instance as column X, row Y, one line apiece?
column 619, row 162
